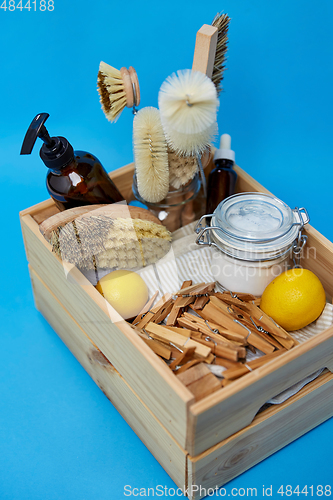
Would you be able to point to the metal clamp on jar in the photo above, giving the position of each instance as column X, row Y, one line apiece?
column 254, row 235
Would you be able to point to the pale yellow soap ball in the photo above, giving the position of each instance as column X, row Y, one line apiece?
column 125, row 291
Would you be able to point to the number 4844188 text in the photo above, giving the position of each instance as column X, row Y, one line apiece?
column 25, row 6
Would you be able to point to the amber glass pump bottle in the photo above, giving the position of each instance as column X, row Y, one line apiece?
column 222, row 179
column 75, row 178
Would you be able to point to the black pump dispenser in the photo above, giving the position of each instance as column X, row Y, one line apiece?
column 75, row 178
column 56, row 152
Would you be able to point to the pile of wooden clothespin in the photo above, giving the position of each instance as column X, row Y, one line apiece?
column 197, row 325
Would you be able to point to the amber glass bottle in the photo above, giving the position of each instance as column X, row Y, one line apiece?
column 75, row 178
column 82, row 182
column 222, row 179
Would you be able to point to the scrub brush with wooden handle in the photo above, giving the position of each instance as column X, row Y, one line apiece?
column 117, row 89
column 221, row 22
column 183, row 168
column 150, row 155
column 111, row 236
column 188, row 101
column 196, row 105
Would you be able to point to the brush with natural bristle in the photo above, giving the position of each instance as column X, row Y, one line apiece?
column 182, row 169
column 188, row 105
column 150, row 155
column 221, row 22
column 113, row 236
column 117, row 89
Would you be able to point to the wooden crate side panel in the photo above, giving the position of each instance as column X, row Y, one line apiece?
column 123, row 179
column 40, row 208
column 271, row 430
column 147, row 374
column 318, row 257
column 234, row 407
column 246, row 183
column 161, row 444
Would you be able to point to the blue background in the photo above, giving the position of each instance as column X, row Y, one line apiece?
column 60, row 438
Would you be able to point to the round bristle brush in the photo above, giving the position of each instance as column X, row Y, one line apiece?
column 117, row 89
column 188, row 105
column 150, row 155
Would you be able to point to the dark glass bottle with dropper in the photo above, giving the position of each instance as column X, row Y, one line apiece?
column 75, row 178
column 222, row 179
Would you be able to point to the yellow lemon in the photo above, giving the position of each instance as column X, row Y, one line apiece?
column 125, row 291
column 294, row 299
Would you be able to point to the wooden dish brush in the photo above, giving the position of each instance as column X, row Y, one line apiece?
column 111, row 236
column 117, row 89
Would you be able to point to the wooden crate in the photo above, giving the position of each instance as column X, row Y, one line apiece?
column 270, row 430
column 199, row 430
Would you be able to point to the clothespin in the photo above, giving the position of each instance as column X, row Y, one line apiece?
column 233, row 373
column 145, row 309
column 221, row 314
column 176, row 309
column 166, row 335
column 200, row 381
column 199, row 289
column 162, row 307
column 159, row 348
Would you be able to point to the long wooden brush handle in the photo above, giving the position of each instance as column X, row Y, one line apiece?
column 205, row 50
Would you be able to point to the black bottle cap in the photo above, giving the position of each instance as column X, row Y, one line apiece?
column 56, row 152
column 58, row 155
